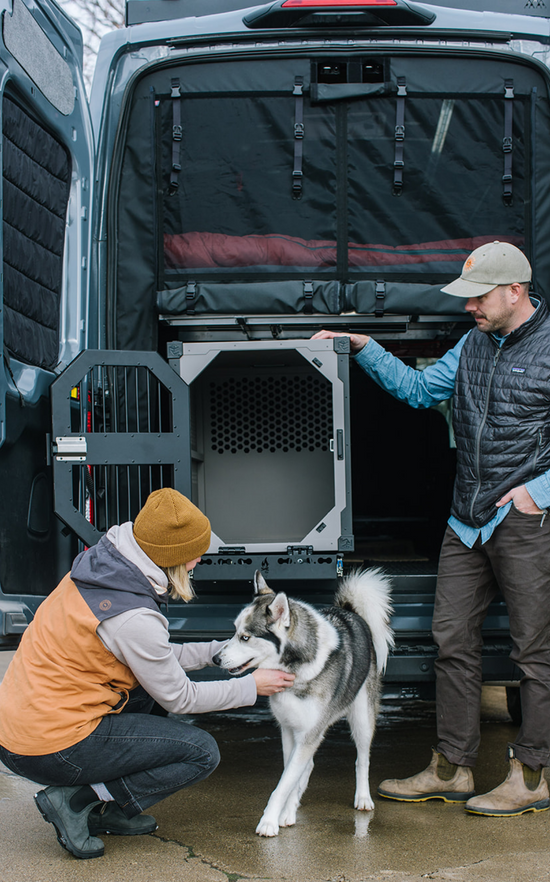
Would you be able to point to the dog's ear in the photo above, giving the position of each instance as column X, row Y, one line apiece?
column 279, row 610
column 260, row 585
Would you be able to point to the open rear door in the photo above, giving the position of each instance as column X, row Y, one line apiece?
column 46, row 193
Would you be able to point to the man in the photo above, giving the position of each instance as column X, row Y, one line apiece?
column 498, row 536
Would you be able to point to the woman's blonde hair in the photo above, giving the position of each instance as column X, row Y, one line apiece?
column 179, row 582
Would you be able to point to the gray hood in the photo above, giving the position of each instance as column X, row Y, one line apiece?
column 111, row 583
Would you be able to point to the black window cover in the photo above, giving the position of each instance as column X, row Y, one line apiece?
column 36, row 181
column 452, row 196
column 216, row 204
column 240, row 184
column 234, row 206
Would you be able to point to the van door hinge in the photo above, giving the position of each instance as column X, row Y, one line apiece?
column 14, row 618
column 70, row 448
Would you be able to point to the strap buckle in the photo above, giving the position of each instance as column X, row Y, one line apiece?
column 299, row 130
column 297, row 182
column 507, row 145
column 190, row 294
column 379, row 296
column 177, row 133
column 308, row 296
column 400, row 133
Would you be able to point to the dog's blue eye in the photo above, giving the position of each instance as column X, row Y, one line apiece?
column 245, row 637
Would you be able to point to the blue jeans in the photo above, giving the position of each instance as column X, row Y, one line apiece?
column 141, row 758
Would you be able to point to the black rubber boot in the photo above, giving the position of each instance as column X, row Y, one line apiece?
column 68, row 808
column 109, row 818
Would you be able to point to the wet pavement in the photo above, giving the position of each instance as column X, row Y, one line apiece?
column 206, row 834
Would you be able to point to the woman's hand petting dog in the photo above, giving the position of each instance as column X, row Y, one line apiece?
column 269, row 682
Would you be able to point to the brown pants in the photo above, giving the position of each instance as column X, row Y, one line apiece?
column 516, row 561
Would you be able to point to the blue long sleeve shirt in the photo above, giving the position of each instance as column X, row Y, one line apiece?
column 426, row 388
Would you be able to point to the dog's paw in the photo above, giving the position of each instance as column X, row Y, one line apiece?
column 363, row 802
column 267, row 828
column 287, row 818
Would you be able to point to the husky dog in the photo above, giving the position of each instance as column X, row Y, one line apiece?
column 338, row 656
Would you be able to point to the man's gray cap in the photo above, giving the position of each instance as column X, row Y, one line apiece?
column 497, row 263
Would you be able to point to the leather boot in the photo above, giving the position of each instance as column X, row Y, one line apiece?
column 67, row 808
column 441, row 780
column 109, row 818
column 514, row 796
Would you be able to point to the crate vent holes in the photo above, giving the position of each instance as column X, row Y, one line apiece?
column 274, row 414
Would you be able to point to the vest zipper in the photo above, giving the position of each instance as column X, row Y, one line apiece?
column 480, row 430
column 535, row 458
column 537, row 450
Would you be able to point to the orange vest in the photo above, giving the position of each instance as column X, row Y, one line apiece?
column 61, row 681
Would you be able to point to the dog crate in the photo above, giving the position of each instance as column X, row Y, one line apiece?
column 269, row 428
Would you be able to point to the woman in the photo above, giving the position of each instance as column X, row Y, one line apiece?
column 79, row 704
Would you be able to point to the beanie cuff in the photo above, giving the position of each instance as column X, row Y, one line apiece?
column 173, row 555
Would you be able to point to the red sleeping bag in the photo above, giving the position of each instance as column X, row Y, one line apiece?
column 207, row 250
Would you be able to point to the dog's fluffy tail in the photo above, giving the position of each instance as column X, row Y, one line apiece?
column 367, row 592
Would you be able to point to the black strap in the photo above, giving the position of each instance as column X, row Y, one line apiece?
column 177, row 134
column 380, row 296
column 308, row 297
column 297, row 173
column 398, row 163
column 190, row 295
column 10, row 372
column 507, row 141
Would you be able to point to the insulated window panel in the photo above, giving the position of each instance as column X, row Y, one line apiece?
column 216, row 206
column 36, row 181
column 452, row 195
column 234, row 204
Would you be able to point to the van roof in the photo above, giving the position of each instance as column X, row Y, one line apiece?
column 141, row 11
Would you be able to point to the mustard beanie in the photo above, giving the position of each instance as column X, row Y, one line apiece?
column 170, row 529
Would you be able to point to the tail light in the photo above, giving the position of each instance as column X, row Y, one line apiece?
column 338, row 13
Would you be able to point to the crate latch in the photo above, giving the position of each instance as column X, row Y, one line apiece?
column 70, row 448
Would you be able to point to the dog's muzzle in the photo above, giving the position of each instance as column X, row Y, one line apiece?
column 217, row 660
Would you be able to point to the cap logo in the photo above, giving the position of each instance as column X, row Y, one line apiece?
column 469, row 263
column 105, row 605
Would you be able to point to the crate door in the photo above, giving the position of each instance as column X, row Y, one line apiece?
column 120, row 430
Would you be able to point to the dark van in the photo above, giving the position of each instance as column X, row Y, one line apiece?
column 243, row 176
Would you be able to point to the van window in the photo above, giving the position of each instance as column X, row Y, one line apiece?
column 452, row 195
column 208, row 217
column 231, row 206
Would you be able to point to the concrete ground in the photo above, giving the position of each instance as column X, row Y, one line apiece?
column 206, row 834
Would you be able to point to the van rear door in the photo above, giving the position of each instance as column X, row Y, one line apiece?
column 47, row 176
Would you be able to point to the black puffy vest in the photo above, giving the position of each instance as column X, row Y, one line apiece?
column 501, row 416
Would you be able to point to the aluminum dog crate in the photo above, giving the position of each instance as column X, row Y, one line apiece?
column 270, row 444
